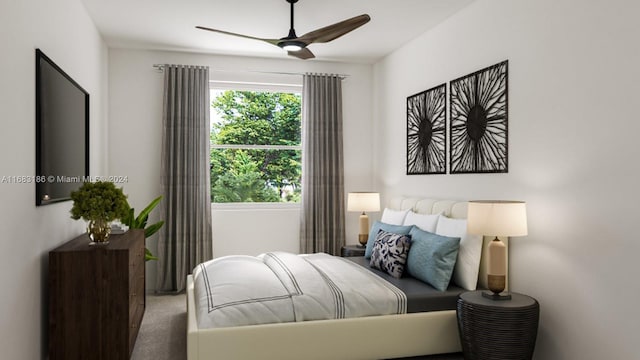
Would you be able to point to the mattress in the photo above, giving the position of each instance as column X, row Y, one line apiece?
column 421, row 297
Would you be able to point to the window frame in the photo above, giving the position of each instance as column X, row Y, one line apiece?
column 282, row 87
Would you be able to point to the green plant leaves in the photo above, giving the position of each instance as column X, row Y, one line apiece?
column 140, row 222
column 100, row 200
column 152, row 229
column 148, row 255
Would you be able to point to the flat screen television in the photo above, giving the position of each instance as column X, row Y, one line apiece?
column 62, row 133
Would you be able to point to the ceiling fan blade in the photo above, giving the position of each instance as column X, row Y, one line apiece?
column 270, row 41
column 303, row 54
column 334, row 31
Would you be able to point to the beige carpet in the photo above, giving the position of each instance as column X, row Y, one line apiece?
column 163, row 331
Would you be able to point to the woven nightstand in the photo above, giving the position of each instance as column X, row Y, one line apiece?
column 497, row 329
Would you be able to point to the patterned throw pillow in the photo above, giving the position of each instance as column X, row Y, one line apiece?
column 377, row 226
column 390, row 253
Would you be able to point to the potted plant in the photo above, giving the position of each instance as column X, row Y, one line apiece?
column 98, row 203
column 140, row 222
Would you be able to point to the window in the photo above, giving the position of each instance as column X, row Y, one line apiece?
column 255, row 143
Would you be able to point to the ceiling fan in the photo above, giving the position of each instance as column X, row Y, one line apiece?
column 297, row 45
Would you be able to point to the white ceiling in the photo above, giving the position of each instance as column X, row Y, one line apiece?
column 169, row 24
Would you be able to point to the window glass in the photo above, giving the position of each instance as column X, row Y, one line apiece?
column 255, row 146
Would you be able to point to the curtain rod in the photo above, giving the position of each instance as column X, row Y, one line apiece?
column 160, row 67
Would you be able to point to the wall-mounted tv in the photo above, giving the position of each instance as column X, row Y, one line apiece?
column 62, row 133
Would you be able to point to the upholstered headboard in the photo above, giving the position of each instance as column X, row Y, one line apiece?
column 455, row 209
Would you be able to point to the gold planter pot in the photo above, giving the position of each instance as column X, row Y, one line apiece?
column 99, row 231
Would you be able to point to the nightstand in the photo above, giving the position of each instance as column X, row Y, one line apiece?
column 497, row 329
column 352, row 250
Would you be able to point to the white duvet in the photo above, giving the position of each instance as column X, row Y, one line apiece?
column 283, row 287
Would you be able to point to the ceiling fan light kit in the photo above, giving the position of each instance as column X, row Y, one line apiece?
column 297, row 46
column 292, row 45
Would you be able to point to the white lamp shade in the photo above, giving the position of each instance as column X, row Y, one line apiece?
column 363, row 201
column 497, row 218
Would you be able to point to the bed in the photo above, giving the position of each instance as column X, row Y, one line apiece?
column 371, row 337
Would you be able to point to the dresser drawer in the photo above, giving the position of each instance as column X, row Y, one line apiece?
column 134, row 325
column 136, row 261
column 136, row 253
column 136, row 293
column 135, row 271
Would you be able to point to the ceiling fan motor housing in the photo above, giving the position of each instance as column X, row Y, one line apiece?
column 297, row 46
column 289, row 43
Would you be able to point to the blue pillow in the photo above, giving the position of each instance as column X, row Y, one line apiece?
column 377, row 226
column 390, row 253
column 432, row 257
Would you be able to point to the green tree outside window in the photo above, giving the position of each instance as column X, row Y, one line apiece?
column 255, row 152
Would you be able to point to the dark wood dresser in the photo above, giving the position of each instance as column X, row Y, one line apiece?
column 96, row 297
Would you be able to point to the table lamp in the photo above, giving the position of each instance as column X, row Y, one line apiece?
column 497, row 218
column 363, row 201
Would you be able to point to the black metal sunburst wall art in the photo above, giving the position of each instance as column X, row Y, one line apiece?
column 426, row 131
column 478, row 122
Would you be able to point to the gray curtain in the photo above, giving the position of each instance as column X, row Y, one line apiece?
column 322, row 218
column 185, row 239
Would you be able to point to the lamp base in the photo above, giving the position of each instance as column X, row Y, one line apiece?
column 496, row 283
column 498, row 296
column 362, row 239
column 363, row 236
column 496, row 286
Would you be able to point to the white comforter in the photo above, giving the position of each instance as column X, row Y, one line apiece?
column 283, row 287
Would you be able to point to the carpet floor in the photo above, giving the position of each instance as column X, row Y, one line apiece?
column 162, row 334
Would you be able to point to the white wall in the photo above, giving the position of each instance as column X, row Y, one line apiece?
column 255, row 231
column 63, row 30
column 135, row 109
column 573, row 87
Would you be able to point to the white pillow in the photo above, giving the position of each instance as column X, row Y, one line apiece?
column 393, row 217
column 426, row 222
column 465, row 273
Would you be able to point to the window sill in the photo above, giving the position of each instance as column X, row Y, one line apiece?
column 254, row 206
